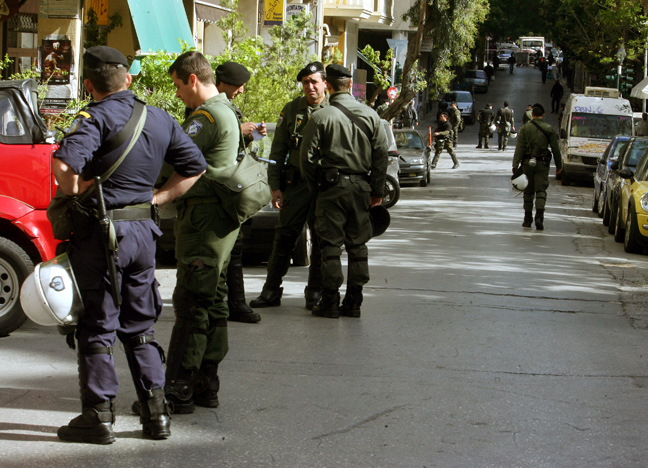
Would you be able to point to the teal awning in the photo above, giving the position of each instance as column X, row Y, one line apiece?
column 159, row 25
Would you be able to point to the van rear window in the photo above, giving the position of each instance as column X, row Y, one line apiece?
column 600, row 125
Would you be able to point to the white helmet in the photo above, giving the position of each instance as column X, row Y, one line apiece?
column 492, row 128
column 513, row 134
column 50, row 295
column 519, row 180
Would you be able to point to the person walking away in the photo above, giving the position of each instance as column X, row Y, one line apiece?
column 642, row 126
column 511, row 63
column 344, row 148
column 505, row 123
column 489, row 70
column 533, row 155
column 542, row 65
column 455, row 120
column 527, row 114
column 443, row 140
column 485, row 118
column 290, row 193
column 231, row 78
column 84, row 153
column 556, row 96
column 496, row 63
column 205, row 235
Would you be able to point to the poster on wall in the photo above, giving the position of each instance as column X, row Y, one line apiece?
column 273, row 12
column 56, row 57
column 359, row 90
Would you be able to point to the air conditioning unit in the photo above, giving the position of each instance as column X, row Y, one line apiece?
column 601, row 92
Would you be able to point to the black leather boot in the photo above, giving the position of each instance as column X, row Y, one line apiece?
column 210, row 384
column 179, row 392
column 268, row 298
column 528, row 219
column 539, row 220
column 312, row 296
column 351, row 302
column 93, row 426
column 329, row 304
column 155, row 415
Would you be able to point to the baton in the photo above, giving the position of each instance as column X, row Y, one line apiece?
column 104, row 223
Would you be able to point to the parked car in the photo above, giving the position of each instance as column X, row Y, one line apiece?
column 27, row 186
column 415, row 160
column 478, row 79
column 465, row 103
column 392, row 186
column 504, row 55
column 632, row 215
column 610, row 155
column 629, row 156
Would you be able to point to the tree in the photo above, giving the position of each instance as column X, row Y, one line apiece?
column 382, row 70
column 453, row 26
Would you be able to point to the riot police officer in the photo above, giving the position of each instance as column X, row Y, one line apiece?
column 505, row 123
column 344, row 160
column 485, row 118
column 443, row 140
column 290, row 193
column 84, row 153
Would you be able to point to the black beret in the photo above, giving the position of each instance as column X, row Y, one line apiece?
column 97, row 56
column 337, row 71
column 232, row 73
column 313, row 67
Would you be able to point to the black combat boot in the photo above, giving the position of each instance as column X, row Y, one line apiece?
column 351, row 302
column 93, row 426
column 312, row 296
column 329, row 304
column 155, row 415
column 209, row 386
column 539, row 220
column 269, row 297
column 528, row 219
column 239, row 311
column 179, row 392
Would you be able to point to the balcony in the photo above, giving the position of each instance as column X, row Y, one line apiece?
column 351, row 9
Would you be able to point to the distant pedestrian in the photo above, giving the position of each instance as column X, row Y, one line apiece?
column 409, row 115
column 642, row 126
column 505, row 123
column 455, row 120
column 528, row 114
column 542, row 66
column 485, row 118
column 489, row 70
column 496, row 62
column 511, row 63
column 556, row 96
column 443, row 140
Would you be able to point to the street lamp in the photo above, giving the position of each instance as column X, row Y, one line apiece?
column 620, row 55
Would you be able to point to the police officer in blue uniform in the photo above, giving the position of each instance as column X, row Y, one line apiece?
column 128, row 195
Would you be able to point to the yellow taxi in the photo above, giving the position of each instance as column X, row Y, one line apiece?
column 632, row 215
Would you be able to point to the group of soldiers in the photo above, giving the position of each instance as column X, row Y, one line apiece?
column 331, row 155
column 504, row 122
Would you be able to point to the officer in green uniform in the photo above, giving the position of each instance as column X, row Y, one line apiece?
column 505, row 123
column 443, row 140
column 345, row 152
column 205, row 235
column 290, row 193
column 485, row 118
column 532, row 153
column 455, row 120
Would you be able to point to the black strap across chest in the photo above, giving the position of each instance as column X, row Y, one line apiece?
column 354, row 118
column 125, row 133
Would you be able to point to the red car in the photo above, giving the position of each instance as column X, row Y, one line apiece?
column 26, row 187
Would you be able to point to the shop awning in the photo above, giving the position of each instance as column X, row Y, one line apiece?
column 641, row 90
column 210, row 11
column 159, row 25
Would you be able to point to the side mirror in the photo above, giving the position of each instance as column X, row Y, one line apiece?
column 626, row 173
column 615, row 165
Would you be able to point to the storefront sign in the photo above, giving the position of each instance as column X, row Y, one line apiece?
column 62, row 8
column 273, row 12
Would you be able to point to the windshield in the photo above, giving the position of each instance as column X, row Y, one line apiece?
column 409, row 140
column 636, row 151
column 459, row 97
column 600, row 125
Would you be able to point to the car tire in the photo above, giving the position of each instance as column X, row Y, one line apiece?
column 303, row 248
column 15, row 267
column 612, row 220
column 392, row 192
column 600, row 205
column 606, row 214
column 619, row 227
column 630, row 242
column 595, row 201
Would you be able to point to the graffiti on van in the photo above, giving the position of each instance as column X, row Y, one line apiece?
column 588, row 109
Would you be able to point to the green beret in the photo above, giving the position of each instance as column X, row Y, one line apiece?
column 232, row 73
column 337, row 71
column 313, row 67
column 97, row 56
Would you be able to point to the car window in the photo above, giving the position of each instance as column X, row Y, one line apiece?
column 618, row 150
column 459, row 97
column 641, row 174
column 409, row 140
column 9, row 121
column 636, row 151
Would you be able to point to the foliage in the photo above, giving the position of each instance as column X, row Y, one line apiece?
column 382, row 70
column 95, row 34
column 453, row 26
column 232, row 26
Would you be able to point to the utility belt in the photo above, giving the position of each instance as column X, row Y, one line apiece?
column 330, row 176
column 140, row 212
column 289, row 176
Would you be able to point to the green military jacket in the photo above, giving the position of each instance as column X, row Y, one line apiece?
column 215, row 129
column 531, row 140
column 292, row 120
column 332, row 140
column 454, row 116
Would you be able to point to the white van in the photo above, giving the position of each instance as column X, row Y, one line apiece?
column 590, row 121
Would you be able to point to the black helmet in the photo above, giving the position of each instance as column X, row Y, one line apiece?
column 379, row 220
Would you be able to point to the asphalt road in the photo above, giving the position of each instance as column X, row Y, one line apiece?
column 481, row 344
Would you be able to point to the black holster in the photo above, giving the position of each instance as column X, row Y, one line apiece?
column 326, row 177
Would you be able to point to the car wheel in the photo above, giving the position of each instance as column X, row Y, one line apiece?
column 15, row 267
column 600, row 205
column 301, row 254
column 606, row 214
column 392, row 192
column 630, row 243
column 619, row 227
column 612, row 220
column 595, row 202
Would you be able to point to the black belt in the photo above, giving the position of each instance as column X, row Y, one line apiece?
column 354, row 177
column 130, row 214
